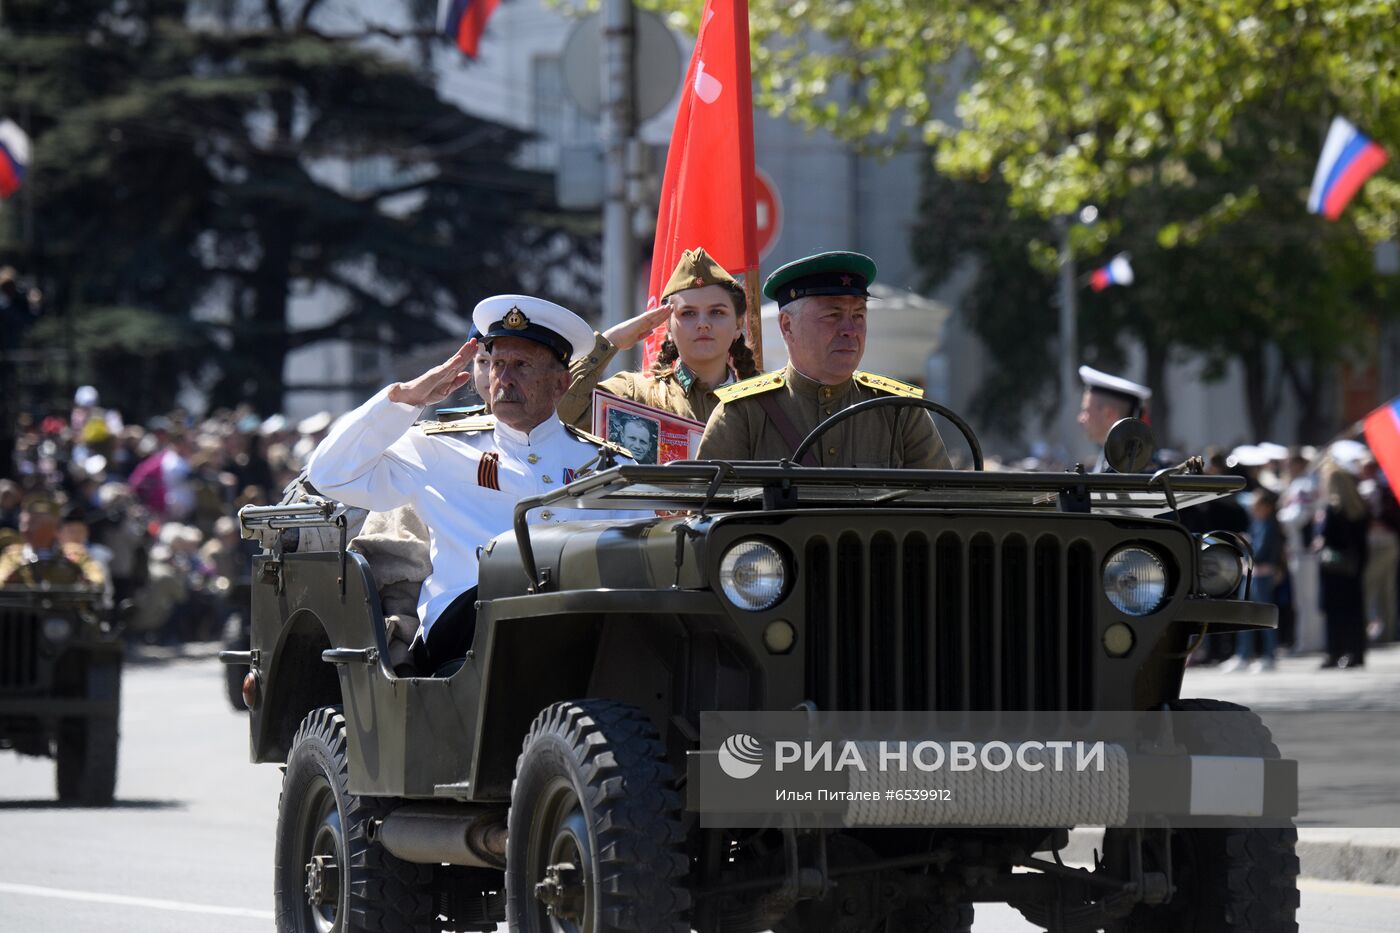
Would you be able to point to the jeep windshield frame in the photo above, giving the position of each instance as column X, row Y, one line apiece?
column 712, row 485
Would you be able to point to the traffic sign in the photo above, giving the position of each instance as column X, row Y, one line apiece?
column 769, row 225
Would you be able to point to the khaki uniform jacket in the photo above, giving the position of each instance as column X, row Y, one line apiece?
column 20, row 566
column 740, row 429
column 677, row 391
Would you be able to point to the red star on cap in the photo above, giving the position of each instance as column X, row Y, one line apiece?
column 846, row 280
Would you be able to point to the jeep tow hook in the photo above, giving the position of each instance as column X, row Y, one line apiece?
column 562, row 890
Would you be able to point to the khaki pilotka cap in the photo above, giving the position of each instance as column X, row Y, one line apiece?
column 697, row 269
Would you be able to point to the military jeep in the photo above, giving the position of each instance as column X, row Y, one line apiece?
column 60, row 681
column 541, row 784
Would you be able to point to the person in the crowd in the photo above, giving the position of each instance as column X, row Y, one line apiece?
column 1383, row 552
column 11, row 495
column 1107, row 400
column 1297, row 509
column 1266, row 541
column 703, row 308
column 376, row 459
column 1340, row 542
column 822, row 314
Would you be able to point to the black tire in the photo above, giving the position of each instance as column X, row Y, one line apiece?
column 329, row 877
column 930, row 916
column 593, row 790
column 87, row 747
column 1234, row 880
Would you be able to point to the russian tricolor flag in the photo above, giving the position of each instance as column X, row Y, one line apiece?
column 1348, row 159
column 463, row 21
column 14, row 157
column 1383, row 437
column 1118, row 272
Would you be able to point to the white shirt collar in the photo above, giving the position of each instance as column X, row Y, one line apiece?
column 542, row 433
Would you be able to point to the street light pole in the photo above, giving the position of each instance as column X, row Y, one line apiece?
column 1069, row 343
column 619, row 128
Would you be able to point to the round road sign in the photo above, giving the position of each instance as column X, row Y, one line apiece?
column 769, row 225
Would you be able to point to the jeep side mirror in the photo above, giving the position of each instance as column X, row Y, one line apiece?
column 1129, row 446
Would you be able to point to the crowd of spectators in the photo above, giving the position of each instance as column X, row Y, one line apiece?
column 155, row 504
column 1324, row 527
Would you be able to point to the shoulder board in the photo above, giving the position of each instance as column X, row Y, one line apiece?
column 598, row 441
column 886, row 384
column 473, row 424
column 755, row 385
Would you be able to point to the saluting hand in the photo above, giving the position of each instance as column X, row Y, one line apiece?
column 437, row 383
column 630, row 331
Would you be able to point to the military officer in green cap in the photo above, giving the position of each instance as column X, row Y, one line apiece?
column 42, row 557
column 821, row 312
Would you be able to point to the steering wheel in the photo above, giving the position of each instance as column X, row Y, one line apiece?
column 890, row 401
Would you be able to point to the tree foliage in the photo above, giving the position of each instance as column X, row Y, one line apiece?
column 1193, row 125
column 215, row 162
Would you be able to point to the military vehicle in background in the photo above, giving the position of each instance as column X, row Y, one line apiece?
column 60, row 680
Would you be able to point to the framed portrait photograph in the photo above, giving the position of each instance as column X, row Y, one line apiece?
column 652, row 435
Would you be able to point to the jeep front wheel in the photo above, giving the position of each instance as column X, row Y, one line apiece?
column 329, row 877
column 594, row 840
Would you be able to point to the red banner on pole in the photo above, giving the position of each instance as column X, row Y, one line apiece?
column 707, row 195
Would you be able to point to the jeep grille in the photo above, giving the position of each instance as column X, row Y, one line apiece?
column 19, row 650
column 949, row 621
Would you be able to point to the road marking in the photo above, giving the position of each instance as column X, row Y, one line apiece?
column 123, row 900
column 1353, row 888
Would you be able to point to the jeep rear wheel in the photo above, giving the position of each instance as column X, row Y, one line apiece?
column 595, row 837
column 329, row 877
column 1228, row 880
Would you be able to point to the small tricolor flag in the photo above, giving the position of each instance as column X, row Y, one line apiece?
column 14, row 157
column 1118, row 272
column 1383, row 437
column 463, row 21
column 1348, row 159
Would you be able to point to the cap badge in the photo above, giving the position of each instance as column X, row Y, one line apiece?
column 515, row 319
column 699, row 281
column 792, row 293
column 846, row 280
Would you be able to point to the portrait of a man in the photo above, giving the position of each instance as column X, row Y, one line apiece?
column 634, row 432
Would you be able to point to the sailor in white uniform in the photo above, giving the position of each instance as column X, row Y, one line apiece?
column 464, row 477
column 1107, row 400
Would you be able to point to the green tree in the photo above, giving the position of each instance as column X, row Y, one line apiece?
column 210, row 162
column 1194, row 125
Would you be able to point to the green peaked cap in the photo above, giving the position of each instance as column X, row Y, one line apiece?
column 831, row 273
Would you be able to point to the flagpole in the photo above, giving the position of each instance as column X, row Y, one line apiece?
column 755, row 322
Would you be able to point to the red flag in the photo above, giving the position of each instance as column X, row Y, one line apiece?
column 707, row 196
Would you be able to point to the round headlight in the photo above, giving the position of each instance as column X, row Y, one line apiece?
column 1134, row 580
column 57, row 628
column 752, row 574
column 1220, row 568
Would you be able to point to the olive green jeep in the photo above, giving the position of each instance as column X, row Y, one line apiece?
column 544, row 782
column 60, row 681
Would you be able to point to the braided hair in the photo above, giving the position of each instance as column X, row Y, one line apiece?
column 739, row 353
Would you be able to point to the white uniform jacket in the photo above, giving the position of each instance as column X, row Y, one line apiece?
column 464, row 484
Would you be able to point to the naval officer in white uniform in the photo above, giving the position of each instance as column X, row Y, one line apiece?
column 464, row 477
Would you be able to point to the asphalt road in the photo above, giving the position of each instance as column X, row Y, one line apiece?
column 189, row 844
